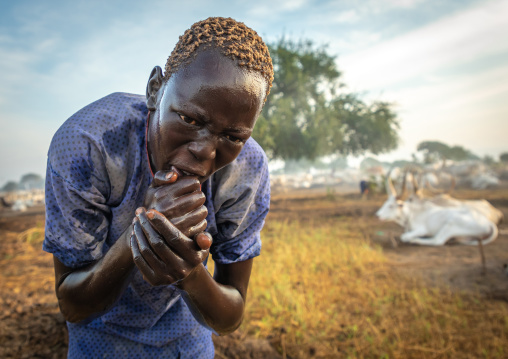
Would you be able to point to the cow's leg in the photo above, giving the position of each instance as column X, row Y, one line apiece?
column 444, row 235
column 415, row 233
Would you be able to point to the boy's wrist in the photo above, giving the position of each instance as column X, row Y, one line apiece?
column 192, row 280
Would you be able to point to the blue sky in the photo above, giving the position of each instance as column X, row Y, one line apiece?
column 444, row 63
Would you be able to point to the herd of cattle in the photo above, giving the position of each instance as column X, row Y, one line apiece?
column 20, row 201
column 466, row 174
column 424, row 206
column 427, row 219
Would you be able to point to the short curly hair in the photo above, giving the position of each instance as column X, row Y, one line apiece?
column 232, row 38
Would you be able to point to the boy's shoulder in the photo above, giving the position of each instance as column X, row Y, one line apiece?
column 118, row 111
column 252, row 152
column 250, row 164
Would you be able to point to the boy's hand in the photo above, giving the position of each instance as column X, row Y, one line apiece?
column 163, row 254
column 180, row 200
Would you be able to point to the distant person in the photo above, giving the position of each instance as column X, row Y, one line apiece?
column 364, row 188
column 137, row 187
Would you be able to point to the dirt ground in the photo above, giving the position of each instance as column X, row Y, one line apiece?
column 456, row 266
column 31, row 325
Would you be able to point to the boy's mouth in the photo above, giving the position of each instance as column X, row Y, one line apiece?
column 182, row 173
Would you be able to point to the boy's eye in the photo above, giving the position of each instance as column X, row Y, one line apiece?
column 234, row 139
column 188, row 120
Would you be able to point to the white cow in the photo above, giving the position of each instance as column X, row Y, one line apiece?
column 19, row 206
column 481, row 206
column 428, row 223
column 445, row 200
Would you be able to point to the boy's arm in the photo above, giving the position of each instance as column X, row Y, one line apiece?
column 164, row 255
column 92, row 290
column 89, row 291
column 218, row 302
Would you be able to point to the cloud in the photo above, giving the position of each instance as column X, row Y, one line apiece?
column 448, row 78
column 348, row 16
column 275, row 9
column 399, row 3
column 464, row 37
column 46, row 78
column 465, row 109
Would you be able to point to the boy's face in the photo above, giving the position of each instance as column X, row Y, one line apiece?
column 205, row 113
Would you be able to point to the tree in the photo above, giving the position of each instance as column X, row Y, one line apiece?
column 31, row 181
column 308, row 115
column 436, row 151
column 503, row 157
column 10, row 186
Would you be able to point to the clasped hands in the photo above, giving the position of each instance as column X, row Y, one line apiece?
column 168, row 240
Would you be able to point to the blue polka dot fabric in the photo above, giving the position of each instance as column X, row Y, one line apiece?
column 97, row 176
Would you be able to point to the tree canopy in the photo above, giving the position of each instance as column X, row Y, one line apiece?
column 10, row 186
column 308, row 113
column 28, row 181
column 31, row 181
column 434, row 151
column 503, row 157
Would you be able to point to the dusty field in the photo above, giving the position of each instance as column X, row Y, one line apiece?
column 456, row 266
column 31, row 325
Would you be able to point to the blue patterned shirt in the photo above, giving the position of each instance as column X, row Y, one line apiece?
column 97, row 176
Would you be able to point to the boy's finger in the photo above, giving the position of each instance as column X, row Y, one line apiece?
column 181, row 244
column 190, row 223
column 164, row 177
column 155, row 240
column 145, row 249
column 140, row 262
column 204, row 240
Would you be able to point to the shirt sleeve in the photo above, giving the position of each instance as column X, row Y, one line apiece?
column 77, row 217
column 243, row 198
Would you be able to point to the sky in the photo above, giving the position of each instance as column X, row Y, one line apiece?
column 442, row 63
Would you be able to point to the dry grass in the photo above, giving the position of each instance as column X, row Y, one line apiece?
column 323, row 291
column 320, row 289
column 33, row 236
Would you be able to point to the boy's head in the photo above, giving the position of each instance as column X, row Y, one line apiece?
column 231, row 38
column 204, row 108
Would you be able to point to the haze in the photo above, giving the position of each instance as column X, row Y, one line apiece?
column 444, row 63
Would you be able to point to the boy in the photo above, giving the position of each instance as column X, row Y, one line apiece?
column 132, row 186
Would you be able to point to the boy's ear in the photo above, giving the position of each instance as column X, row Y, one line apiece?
column 153, row 86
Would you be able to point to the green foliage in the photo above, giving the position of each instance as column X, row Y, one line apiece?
column 503, row 157
column 435, row 151
column 31, row 181
column 10, row 186
column 308, row 115
column 30, row 177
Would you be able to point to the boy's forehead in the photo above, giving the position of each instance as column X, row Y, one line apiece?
column 212, row 69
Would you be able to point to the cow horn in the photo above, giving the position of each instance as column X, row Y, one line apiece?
column 416, row 186
column 390, row 188
column 404, row 188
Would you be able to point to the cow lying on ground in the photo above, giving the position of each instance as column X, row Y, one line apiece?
column 429, row 223
column 446, row 200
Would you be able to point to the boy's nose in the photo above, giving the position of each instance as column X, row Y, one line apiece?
column 204, row 148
